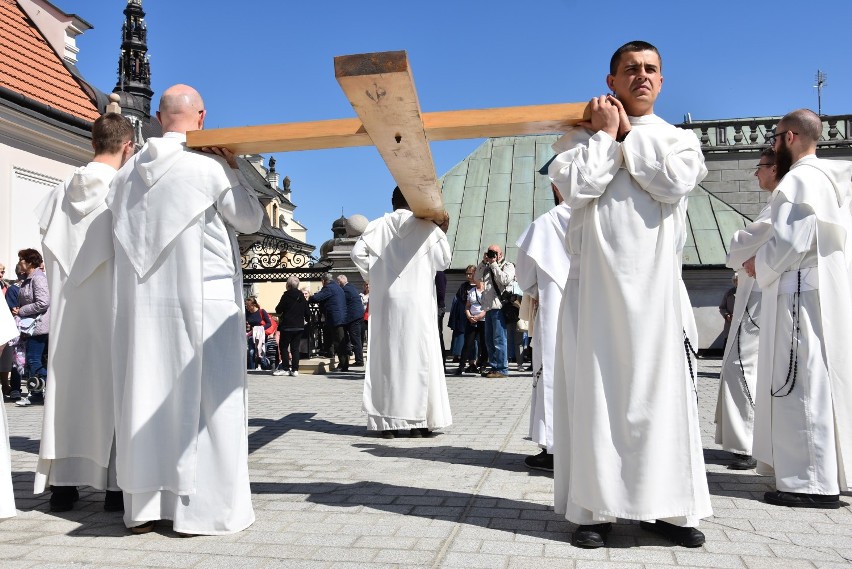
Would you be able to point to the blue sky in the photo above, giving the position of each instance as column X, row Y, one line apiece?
column 258, row 62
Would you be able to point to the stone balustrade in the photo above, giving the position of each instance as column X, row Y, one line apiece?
column 749, row 134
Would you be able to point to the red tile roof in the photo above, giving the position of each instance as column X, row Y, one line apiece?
column 29, row 66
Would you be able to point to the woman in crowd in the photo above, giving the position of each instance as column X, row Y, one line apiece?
column 458, row 321
column 257, row 321
column 34, row 311
column 474, row 332
column 293, row 313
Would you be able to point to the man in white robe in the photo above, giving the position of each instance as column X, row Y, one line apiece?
column 541, row 271
column 803, row 422
column 630, row 444
column 404, row 386
column 8, row 331
column 179, row 342
column 737, row 382
column 78, row 427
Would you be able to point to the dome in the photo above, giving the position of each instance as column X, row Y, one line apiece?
column 326, row 248
column 355, row 225
column 338, row 228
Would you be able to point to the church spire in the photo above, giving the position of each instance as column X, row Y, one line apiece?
column 134, row 70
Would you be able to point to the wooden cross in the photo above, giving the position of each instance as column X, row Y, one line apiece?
column 380, row 88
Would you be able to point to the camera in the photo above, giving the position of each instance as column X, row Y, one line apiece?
column 491, row 254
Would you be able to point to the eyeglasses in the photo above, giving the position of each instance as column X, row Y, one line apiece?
column 764, row 166
column 771, row 138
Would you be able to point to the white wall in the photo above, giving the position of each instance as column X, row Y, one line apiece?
column 34, row 157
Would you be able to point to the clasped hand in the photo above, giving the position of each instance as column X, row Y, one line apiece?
column 608, row 115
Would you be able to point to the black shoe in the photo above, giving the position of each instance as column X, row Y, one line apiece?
column 426, row 433
column 388, row 434
column 541, row 461
column 459, row 371
column 62, row 498
column 742, row 462
column 591, row 537
column 114, row 501
column 415, row 434
column 471, row 369
column 683, row 536
column 147, row 527
column 14, row 396
column 800, row 500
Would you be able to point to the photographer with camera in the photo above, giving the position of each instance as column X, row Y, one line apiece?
column 497, row 275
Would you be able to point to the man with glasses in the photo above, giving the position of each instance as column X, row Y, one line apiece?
column 737, row 384
column 626, row 438
column 496, row 274
column 78, row 430
column 803, row 420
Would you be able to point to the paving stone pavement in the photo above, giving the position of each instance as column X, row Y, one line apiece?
column 329, row 496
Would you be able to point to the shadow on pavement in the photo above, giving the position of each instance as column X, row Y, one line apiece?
column 24, row 444
column 271, row 429
column 512, row 462
column 512, row 516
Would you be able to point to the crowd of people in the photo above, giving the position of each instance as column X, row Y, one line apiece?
column 597, row 287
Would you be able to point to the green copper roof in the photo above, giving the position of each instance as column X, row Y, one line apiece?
column 496, row 192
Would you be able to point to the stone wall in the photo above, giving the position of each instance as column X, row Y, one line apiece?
column 730, row 177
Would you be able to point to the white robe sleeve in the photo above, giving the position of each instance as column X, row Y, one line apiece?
column 361, row 257
column 666, row 169
column 583, row 172
column 444, row 254
column 793, row 228
column 526, row 274
column 240, row 207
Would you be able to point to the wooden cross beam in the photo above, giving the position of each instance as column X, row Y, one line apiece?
column 381, row 89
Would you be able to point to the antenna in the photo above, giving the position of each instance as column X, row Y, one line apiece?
column 821, row 81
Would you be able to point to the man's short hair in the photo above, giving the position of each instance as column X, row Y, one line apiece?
column 630, row 47
column 398, row 200
column 110, row 132
column 805, row 122
column 293, row 283
column 768, row 153
column 342, row 280
column 327, row 278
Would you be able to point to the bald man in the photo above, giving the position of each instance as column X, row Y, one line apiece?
column 496, row 274
column 803, row 411
column 179, row 343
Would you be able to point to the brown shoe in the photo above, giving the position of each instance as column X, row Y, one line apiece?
column 495, row 375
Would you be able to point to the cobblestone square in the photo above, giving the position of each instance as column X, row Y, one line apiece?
column 328, row 496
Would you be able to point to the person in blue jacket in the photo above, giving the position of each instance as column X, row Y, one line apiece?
column 354, row 318
column 332, row 303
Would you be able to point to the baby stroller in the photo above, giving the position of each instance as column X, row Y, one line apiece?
column 272, row 359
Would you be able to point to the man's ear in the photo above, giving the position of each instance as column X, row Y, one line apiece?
column 610, row 82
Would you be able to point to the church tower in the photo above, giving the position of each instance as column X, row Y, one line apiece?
column 134, row 69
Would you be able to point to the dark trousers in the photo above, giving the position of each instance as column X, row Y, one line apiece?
column 353, row 332
column 441, row 333
column 36, row 348
column 474, row 334
column 290, row 340
column 337, row 343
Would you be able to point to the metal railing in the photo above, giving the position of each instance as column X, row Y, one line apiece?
column 750, row 133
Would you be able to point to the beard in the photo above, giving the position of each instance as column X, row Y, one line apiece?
column 783, row 159
column 557, row 197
